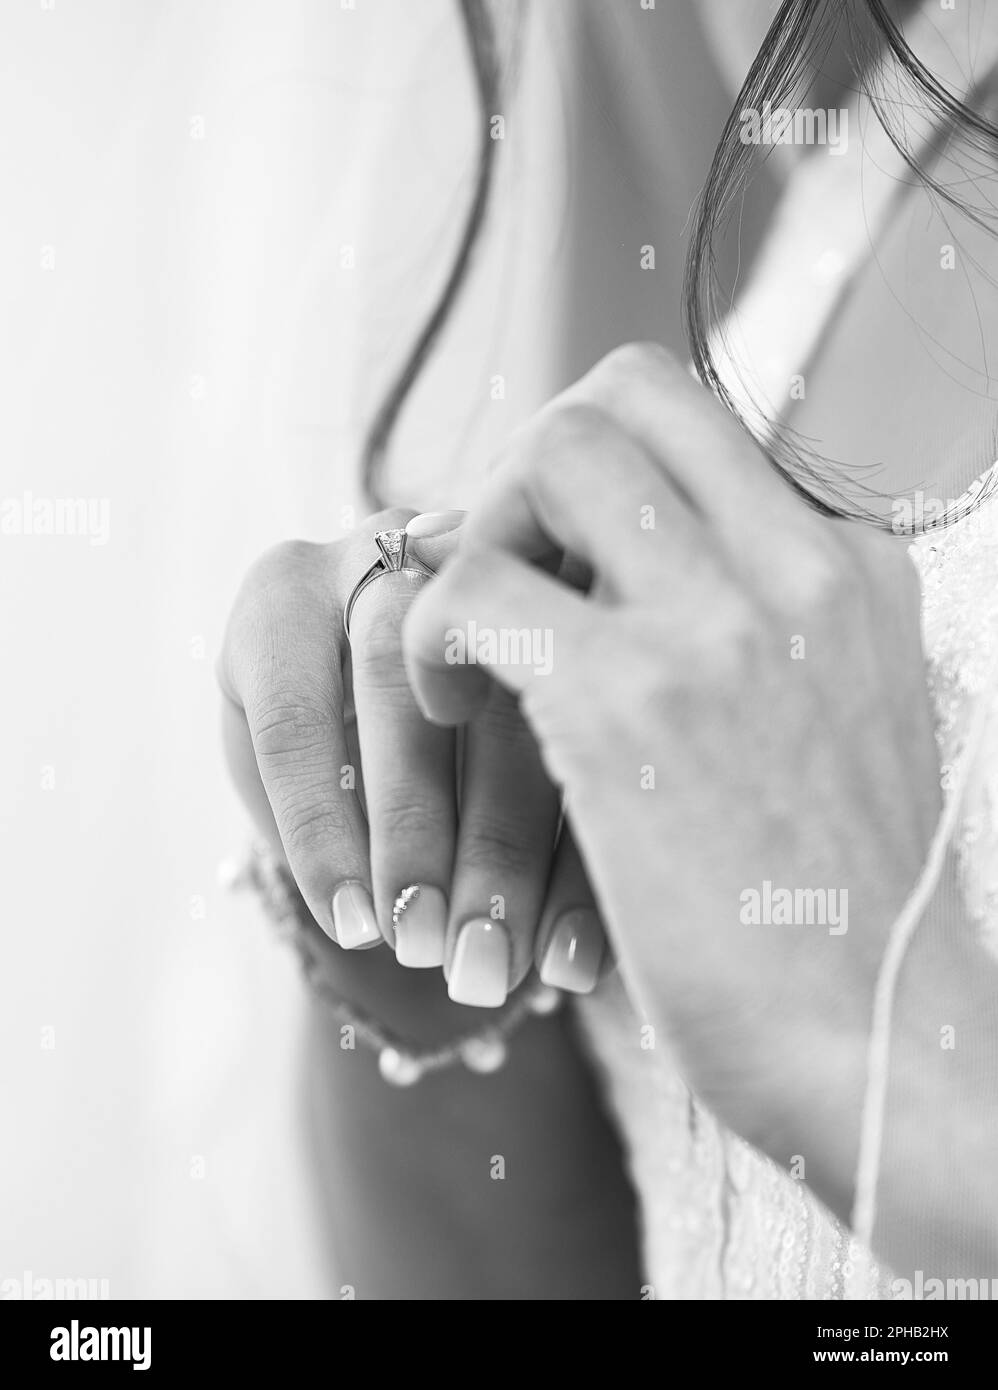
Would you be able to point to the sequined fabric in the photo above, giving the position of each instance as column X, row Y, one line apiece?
column 720, row 1220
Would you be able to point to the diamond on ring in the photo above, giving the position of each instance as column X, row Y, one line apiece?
column 392, row 559
column 392, row 546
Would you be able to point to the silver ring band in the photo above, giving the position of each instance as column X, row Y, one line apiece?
column 392, row 560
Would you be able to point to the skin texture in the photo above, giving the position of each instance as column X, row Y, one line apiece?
column 342, row 772
column 813, row 772
column 406, row 1187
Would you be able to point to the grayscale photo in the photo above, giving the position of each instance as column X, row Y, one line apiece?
column 499, row 567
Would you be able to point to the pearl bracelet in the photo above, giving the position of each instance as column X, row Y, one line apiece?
column 400, row 1061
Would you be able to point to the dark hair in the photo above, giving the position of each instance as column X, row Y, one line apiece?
column 783, row 69
column 483, row 48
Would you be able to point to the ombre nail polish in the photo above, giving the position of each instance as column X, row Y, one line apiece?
column 574, row 953
column 479, row 972
column 353, row 916
column 420, row 921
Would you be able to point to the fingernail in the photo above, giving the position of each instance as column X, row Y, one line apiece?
column 479, row 973
column 574, row 954
column 420, row 921
column 353, row 916
column 429, row 524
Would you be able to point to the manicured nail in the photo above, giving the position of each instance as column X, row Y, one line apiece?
column 429, row 524
column 575, row 952
column 479, row 973
column 420, row 921
column 353, row 916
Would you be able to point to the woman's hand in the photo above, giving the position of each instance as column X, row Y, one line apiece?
column 737, row 713
column 367, row 799
column 408, row 1200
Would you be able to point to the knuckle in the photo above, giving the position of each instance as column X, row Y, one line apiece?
column 293, row 754
column 284, row 727
column 571, row 422
column 562, row 456
column 407, row 814
column 490, row 844
column 285, row 565
column 289, row 578
column 309, row 827
column 552, row 448
column 640, row 358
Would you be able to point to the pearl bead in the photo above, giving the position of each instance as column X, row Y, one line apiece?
column 545, row 1000
column 485, row 1053
column 398, row 1068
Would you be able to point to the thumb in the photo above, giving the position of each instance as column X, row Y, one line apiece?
column 432, row 536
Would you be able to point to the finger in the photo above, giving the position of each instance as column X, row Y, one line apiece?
column 282, row 666
column 484, row 614
column 575, row 480
column 241, row 761
column 572, row 951
column 431, row 539
column 408, row 764
column 509, row 817
column 240, row 758
column 754, row 519
column 409, row 779
column 432, row 528
column 707, row 453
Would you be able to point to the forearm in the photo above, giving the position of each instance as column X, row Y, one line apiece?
column 506, row 1186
